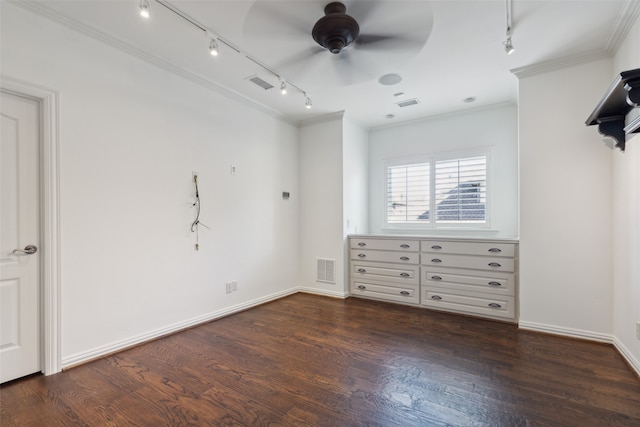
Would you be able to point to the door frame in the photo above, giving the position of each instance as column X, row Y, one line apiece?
column 50, row 298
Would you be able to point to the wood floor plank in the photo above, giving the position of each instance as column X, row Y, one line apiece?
column 308, row 360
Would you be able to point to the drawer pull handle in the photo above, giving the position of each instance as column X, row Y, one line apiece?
column 495, row 284
column 495, row 305
column 362, row 244
column 436, row 247
column 436, row 278
column 494, row 264
column 362, row 287
column 405, row 274
column 436, row 297
column 436, row 260
column 362, row 270
column 361, row 255
column 404, row 293
column 404, row 245
column 404, row 258
column 495, row 250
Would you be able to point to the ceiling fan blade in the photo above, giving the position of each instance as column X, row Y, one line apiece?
column 388, row 42
column 296, row 66
column 361, row 10
column 349, row 70
column 297, row 58
column 269, row 19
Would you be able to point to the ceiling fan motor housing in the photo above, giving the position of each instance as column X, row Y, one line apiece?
column 336, row 30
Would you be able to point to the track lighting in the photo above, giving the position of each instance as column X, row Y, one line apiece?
column 213, row 47
column 214, row 41
column 508, row 46
column 144, row 8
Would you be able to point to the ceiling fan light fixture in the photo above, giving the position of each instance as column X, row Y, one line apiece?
column 336, row 30
column 144, row 9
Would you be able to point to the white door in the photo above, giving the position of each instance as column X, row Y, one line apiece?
column 19, row 236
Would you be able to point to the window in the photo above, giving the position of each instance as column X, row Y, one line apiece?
column 455, row 189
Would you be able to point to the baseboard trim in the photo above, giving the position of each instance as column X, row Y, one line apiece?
column 323, row 292
column 98, row 352
column 626, row 354
column 633, row 363
column 566, row 332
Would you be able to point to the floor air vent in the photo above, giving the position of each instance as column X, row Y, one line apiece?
column 260, row 82
column 326, row 270
column 408, row 102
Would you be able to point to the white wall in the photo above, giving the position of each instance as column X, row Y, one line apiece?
column 355, row 183
column 626, row 217
column 130, row 136
column 321, row 203
column 356, row 175
column 494, row 128
column 565, row 204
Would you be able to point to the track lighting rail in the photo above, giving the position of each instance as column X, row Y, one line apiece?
column 216, row 37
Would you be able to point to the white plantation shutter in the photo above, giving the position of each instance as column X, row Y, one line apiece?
column 408, row 194
column 461, row 190
column 451, row 191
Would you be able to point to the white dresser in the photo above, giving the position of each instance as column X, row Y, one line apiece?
column 469, row 276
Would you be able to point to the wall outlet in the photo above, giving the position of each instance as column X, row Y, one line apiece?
column 234, row 286
column 229, row 287
column 638, row 329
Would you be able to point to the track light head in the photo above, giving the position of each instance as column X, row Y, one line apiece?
column 508, row 46
column 213, row 47
column 144, row 9
column 307, row 103
column 283, row 87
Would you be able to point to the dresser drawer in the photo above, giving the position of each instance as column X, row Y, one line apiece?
column 469, row 248
column 406, row 294
column 362, row 270
column 386, row 256
column 386, row 244
column 469, row 262
column 496, row 306
column 494, row 282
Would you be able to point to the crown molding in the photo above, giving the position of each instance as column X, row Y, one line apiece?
column 39, row 9
column 445, row 115
column 339, row 115
column 626, row 19
column 559, row 63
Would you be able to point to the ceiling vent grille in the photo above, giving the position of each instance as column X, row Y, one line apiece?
column 326, row 270
column 408, row 102
column 260, row 82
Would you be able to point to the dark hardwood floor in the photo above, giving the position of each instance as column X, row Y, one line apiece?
column 314, row 361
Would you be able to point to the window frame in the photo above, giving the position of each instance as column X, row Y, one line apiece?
column 432, row 159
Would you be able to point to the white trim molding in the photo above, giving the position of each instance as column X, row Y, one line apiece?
column 631, row 360
column 628, row 356
column 50, row 217
column 114, row 347
column 566, row 332
column 38, row 7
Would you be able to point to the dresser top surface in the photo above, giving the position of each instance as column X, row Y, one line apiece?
column 432, row 238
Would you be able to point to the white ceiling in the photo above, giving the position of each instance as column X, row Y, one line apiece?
column 455, row 49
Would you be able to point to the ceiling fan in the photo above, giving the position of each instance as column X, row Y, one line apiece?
column 372, row 35
column 336, row 30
